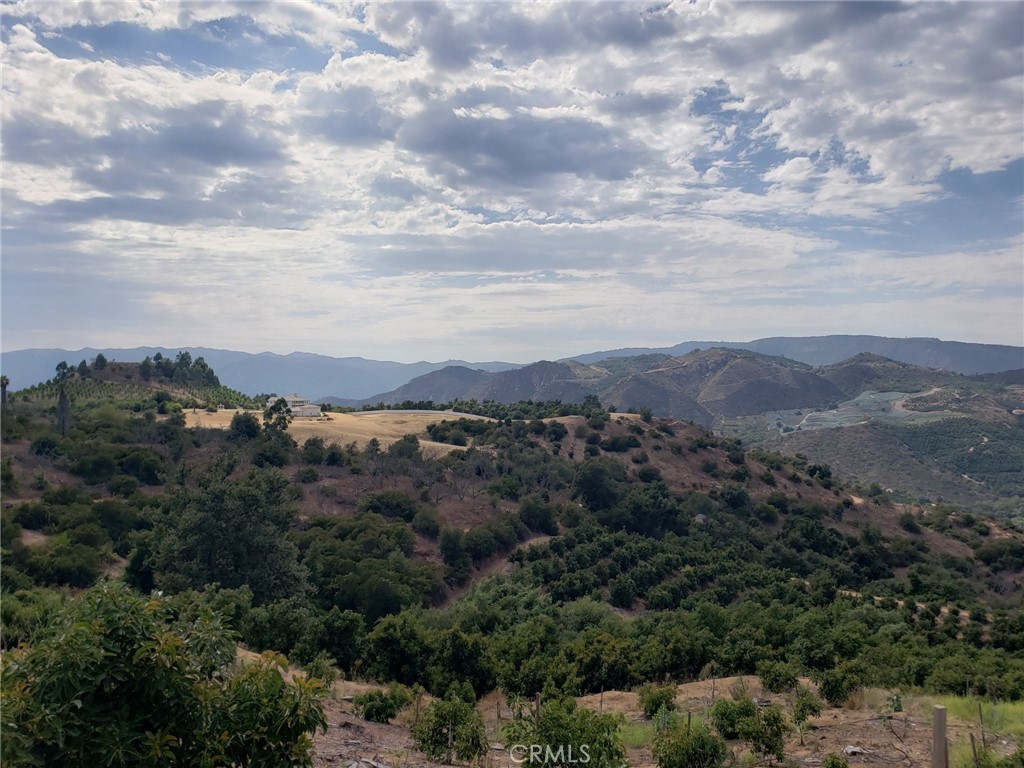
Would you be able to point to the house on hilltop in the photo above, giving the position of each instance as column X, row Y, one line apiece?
column 298, row 406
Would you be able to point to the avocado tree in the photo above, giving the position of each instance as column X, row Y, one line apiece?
column 117, row 679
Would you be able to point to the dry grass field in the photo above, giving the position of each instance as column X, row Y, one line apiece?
column 345, row 428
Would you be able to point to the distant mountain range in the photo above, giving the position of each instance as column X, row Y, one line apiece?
column 313, row 376
column 699, row 386
column 955, row 356
column 349, row 379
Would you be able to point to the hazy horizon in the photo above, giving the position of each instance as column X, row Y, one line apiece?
column 421, row 181
column 448, row 358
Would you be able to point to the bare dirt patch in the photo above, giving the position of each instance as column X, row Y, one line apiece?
column 32, row 538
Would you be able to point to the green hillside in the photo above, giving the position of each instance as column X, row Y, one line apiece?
column 568, row 556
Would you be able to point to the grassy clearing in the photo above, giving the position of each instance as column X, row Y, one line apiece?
column 637, row 734
column 1005, row 718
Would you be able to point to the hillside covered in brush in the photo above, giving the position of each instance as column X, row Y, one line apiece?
column 519, row 551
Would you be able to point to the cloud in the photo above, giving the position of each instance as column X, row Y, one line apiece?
column 518, row 148
column 585, row 171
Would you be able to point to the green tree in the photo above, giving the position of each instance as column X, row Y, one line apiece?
column 118, row 681
column 765, row 731
column 566, row 733
column 656, row 697
column 100, row 362
column 227, row 531
column 451, row 727
column 694, row 747
column 382, row 706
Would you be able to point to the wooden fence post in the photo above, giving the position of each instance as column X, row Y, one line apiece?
column 939, row 737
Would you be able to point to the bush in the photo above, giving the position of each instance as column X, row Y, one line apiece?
column 389, row 504
column 564, row 730
column 323, row 668
column 777, row 676
column 727, row 716
column 449, row 728
column 656, row 697
column 123, row 485
column 835, row 760
column 764, row 732
column 696, row 748
column 837, row 684
column 307, row 475
column 382, row 706
column 425, row 523
column 806, row 704
column 115, row 672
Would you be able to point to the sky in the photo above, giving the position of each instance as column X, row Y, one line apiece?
column 508, row 181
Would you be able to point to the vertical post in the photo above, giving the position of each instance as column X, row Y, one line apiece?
column 939, row 737
column 974, row 751
column 497, row 710
column 981, row 719
column 688, row 716
column 600, row 704
column 537, row 706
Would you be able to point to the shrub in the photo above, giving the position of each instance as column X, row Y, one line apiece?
column 777, row 676
column 449, row 728
column 806, row 704
column 116, row 671
column 563, row 729
column 123, row 485
column 764, row 732
column 390, row 504
column 382, row 706
column 656, row 697
column 307, row 475
column 425, row 523
column 727, row 716
column 323, row 668
column 835, row 760
column 696, row 748
column 837, row 684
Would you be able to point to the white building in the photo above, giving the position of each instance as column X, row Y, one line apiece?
column 299, row 406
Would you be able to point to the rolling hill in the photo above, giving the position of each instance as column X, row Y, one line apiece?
column 699, row 386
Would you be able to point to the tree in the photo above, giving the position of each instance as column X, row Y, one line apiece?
column 100, row 362
column 566, row 735
column 685, row 747
column 654, row 698
column 382, row 706
column 4, row 383
column 451, row 727
column 116, row 680
column 229, row 532
column 244, row 426
column 146, row 369
column 63, row 413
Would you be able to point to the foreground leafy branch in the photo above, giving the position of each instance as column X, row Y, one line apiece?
column 117, row 680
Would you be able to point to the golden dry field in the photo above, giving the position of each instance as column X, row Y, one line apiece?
column 344, row 428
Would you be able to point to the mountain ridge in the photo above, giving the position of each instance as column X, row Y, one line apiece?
column 352, row 378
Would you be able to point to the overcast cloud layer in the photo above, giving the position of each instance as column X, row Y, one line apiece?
column 509, row 181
